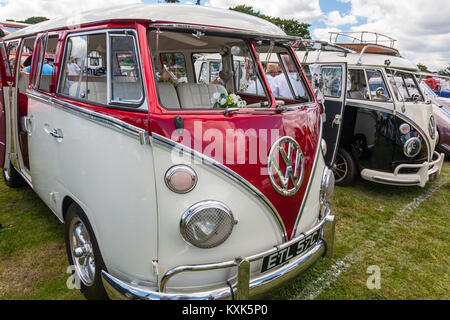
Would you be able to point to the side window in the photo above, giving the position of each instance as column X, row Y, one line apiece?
column 12, row 54
column 357, row 86
column 25, row 64
column 85, row 70
column 174, row 67
column 202, row 72
column 74, row 72
column 214, row 68
column 46, row 62
column 404, row 86
column 378, row 90
column 126, row 83
column 282, row 73
column 332, row 81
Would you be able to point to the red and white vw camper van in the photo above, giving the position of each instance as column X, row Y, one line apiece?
column 171, row 185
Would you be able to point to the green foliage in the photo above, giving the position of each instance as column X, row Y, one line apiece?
column 291, row 26
column 2, row 34
column 422, row 67
column 171, row 1
column 34, row 20
column 445, row 72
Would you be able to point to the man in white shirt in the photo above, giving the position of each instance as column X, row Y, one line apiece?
column 294, row 78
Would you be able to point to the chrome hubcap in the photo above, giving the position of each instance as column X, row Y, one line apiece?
column 82, row 251
column 340, row 168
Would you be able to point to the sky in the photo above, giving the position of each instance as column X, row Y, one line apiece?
column 421, row 28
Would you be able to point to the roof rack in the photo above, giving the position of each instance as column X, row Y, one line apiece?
column 367, row 41
column 308, row 45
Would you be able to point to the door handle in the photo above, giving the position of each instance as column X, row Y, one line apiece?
column 27, row 124
column 56, row 133
column 336, row 120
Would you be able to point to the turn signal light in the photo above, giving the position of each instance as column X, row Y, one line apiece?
column 181, row 179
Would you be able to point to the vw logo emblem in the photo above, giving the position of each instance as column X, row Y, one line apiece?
column 286, row 166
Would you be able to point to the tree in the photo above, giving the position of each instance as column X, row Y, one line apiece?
column 198, row 2
column 445, row 72
column 291, row 26
column 422, row 67
column 171, row 1
column 34, row 20
column 2, row 34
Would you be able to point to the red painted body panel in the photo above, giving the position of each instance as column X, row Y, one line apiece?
column 301, row 124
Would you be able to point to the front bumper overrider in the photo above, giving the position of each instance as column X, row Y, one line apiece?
column 426, row 169
column 243, row 286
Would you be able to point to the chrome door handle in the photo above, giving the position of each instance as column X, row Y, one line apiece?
column 336, row 120
column 27, row 124
column 56, row 133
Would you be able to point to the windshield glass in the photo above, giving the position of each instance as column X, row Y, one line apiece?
column 404, row 86
column 283, row 75
column 201, row 71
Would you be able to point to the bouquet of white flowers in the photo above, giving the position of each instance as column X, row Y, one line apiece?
column 221, row 100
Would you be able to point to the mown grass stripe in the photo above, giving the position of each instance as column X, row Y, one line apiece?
column 316, row 287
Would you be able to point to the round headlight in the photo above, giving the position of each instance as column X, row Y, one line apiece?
column 326, row 185
column 207, row 224
column 432, row 127
column 412, row 147
column 323, row 146
column 180, row 179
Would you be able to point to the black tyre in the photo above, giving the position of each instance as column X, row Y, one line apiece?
column 12, row 178
column 83, row 254
column 344, row 168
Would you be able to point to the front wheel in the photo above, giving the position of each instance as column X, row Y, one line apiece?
column 344, row 168
column 84, row 254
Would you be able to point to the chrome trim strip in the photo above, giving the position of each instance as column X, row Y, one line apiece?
column 109, row 122
column 233, row 263
column 405, row 182
column 165, row 142
column 308, row 189
column 118, row 289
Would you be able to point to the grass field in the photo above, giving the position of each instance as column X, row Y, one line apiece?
column 403, row 232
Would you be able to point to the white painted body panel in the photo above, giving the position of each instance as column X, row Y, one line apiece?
column 42, row 151
column 256, row 230
column 110, row 175
column 310, row 215
column 173, row 13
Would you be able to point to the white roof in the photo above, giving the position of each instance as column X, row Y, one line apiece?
column 368, row 59
column 173, row 13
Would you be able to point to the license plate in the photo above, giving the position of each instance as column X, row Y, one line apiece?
column 432, row 177
column 294, row 250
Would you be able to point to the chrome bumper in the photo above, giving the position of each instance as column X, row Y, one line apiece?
column 410, row 179
column 243, row 287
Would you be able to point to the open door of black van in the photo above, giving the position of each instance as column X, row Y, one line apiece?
column 333, row 87
column 4, row 71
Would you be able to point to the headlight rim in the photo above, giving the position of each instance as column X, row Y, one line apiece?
column 325, row 184
column 405, row 146
column 199, row 206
